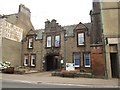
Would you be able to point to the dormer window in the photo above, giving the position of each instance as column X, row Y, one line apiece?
column 30, row 43
column 57, row 41
column 81, row 39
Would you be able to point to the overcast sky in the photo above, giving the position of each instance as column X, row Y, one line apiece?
column 66, row 12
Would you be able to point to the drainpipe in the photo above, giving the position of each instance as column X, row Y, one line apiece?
column 21, row 53
column 103, row 39
column 65, row 39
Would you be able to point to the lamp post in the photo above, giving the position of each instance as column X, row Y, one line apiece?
column 65, row 39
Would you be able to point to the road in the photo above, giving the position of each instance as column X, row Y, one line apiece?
column 15, row 84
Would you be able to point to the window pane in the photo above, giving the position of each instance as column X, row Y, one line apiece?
column 26, row 60
column 57, row 41
column 30, row 43
column 81, row 39
column 49, row 41
column 87, row 60
column 33, row 60
column 77, row 59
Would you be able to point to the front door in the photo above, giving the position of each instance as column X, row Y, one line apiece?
column 114, row 65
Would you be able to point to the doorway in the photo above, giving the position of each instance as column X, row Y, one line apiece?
column 114, row 65
column 52, row 62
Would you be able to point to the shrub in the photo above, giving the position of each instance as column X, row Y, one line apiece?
column 4, row 65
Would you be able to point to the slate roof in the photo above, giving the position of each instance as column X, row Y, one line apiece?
column 39, row 33
column 69, row 30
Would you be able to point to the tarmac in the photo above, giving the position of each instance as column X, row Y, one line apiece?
column 46, row 78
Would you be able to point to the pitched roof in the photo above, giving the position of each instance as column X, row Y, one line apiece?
column 39, row 33
column 69, row 29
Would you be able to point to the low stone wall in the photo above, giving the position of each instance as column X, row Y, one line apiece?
column 72, row 74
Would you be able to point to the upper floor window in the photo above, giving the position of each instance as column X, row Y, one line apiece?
column 49, row 41
column 33, row 60
column 57, row 41
column 81, row 39
column 30, row 43
column 87, row 61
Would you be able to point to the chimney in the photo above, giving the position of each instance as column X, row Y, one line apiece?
column 53, row 23
column 24, row 11
column 47, row 23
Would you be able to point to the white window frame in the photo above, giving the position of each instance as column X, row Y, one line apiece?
column 32, row 59
column 49, row 41
column 30, row 43
column 26, row 57
column 85, row 60
column 57, row 41
column 81, row 37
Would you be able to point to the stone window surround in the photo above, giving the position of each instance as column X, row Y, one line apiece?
column 46, row 41
column 60, row 40
column 87, row 66
column 77, row 39
column 29, row 43
column 25, row 61
column 31, row 59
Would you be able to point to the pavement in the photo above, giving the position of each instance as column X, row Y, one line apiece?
column 46, row 78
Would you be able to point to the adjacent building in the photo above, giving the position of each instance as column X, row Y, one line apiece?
column 13, row 27
column 105, row 23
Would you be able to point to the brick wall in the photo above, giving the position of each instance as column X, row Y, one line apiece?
column 97, row 61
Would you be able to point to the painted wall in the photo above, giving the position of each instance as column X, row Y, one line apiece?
column 110, row 18
column 11, row 51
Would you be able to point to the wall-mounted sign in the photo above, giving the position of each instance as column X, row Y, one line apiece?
column 62, row 62
column 70, row 66
column 113, row 40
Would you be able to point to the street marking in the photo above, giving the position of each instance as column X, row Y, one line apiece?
column 85, row 85
column 95, row 86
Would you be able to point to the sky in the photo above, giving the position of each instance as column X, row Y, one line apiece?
column 66, row 12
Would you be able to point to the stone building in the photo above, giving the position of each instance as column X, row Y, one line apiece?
column 93, row 47
column 13, row 27
column 105, row 23
column 47, row 49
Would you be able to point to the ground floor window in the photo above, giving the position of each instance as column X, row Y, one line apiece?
column 26, row 60
column 33, row 60
column 77, row 59
column 87, row 61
